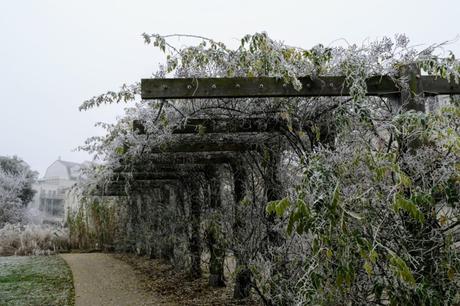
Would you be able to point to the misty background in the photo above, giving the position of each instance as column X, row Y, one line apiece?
column 54, row 54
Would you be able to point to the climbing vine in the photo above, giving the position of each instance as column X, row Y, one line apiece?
column 368, row 204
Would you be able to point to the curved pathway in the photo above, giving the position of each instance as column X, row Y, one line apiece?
column 100, row 279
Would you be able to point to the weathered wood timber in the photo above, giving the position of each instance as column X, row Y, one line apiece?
column 138, row 182
column 242, row 287
column 140, row 173
column 214, row 234
column 240, row 142
column 162, row 169
column 120, row 188
column 184, row 158
column 222, row 125
column 258, row 87
column 195, row 242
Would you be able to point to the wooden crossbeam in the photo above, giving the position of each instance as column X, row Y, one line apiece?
column 115, row 188
column 161, row 170
column 258, row 87
column 184, row 158
column 222, row 125
column 241, row 142
column 160, row 175
column 124, row 183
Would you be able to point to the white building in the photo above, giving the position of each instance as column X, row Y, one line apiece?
column 52, row 190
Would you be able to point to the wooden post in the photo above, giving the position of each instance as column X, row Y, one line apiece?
column 193, row 189
column 242, row 288
column 167, row 246
column 273, row 190
column 143, row 244
column 152, row 217
column 139, row 245
column 214, row 233
column 410, row 98
column 215, row 186
column 181, row 229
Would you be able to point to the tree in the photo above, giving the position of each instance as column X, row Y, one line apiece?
column 16, row 179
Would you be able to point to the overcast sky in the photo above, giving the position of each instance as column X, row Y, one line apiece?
column 54, row 54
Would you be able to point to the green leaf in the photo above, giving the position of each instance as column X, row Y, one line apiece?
column 245, row 202
column 120, row 150
column 282, row 206
column 451, row 273
column 400, row 203
column 201, row 129
column 278, row 207
column 380, row 173
column 164, row 120
column 271, row 207
column 401, row 269
column 404, row 180
column 317, row 132
column 354, row 215
column 373, row 256
column 335, row 196
column 300, row 217
column 368, row 267
column 292, row 220
column 296, row 216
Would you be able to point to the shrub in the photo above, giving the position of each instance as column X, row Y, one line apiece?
column 93, row 225
column 16, row 239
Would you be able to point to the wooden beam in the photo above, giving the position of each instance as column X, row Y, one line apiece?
column 433, row 86
column 252, row 87
column 241, row 142
column 118, row 188
column 258, row 87
column 137, row 176
column 166, row 168
column 222, row 125
column 183, row 158
column 154, row 172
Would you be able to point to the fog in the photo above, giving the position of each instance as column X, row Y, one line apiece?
column 55, row 54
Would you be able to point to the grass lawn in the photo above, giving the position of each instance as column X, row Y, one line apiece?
column 35, row 280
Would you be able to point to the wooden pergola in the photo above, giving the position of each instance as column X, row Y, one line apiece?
column 225, row 139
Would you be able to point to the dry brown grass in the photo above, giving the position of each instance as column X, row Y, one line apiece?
column 32, row 239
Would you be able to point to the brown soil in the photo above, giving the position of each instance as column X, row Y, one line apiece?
column 176, row 288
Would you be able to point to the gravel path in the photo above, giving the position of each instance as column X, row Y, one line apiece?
column 100, row 279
